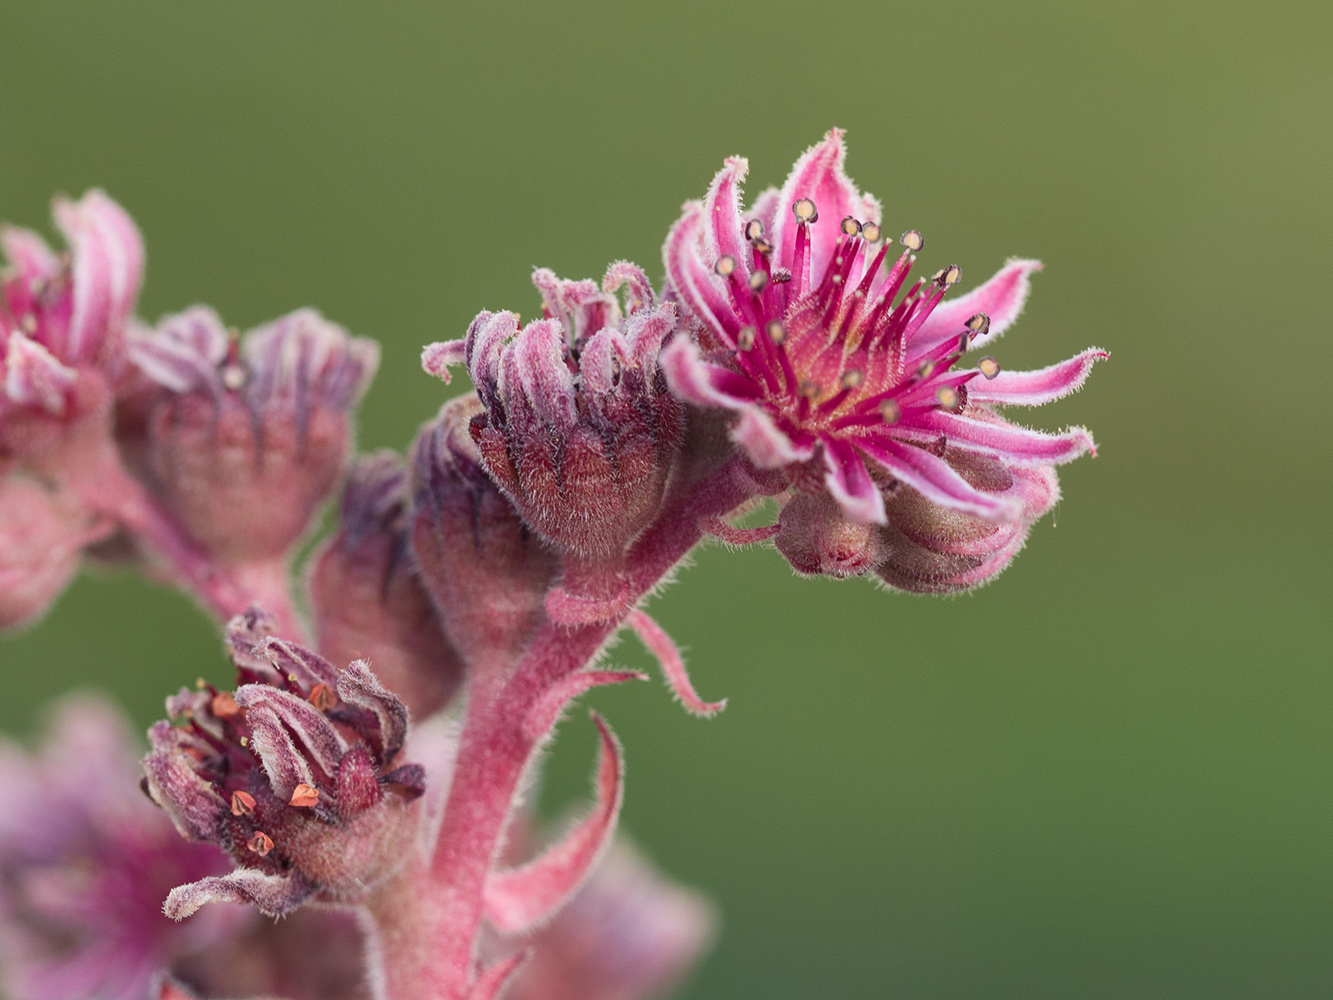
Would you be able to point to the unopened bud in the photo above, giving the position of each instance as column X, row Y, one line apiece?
column 817, row 538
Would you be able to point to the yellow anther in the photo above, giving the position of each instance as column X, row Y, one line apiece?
column 989, row 366
column 978, row 323
column 754, row 229
column 951, row 274
column 927, row 367
column 758, row 281
column 745, row 339
column 913, row 241
column 804, row 210
column 947, row 397
column 810, row 389
column 776, row 331
column 852, row 378
column 725, row 265
column 889, row 411
column 850, row 226
column 871, row 231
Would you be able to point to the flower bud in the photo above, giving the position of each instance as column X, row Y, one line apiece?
column 933, row 549
column 486, row 572
column 579, row 429
column 62, row 325
column 297, row 775
column 238, row 428
column 368, row 600
column 816, row 537
column 42, row 535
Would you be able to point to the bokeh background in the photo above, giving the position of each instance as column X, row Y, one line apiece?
column 1109, row 774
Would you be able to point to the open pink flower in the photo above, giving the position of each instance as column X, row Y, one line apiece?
column 833, row 376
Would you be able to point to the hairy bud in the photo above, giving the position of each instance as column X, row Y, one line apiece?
column 817, row 538
column 368, row 599
column 297, row 775
column 234, row 427
column 486, row 571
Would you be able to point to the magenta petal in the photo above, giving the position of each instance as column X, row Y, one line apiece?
column 722, row 206
column 819, row 176
column 107, row 269
column 935, row 480
column 1036, row 387
column 693, row 279
column 624, row 272
column 850, row 484
column 1001, row 298
column 520, row 898
column 765, row 209
column 765, row 443
column 274, row 895
column 673, row 665
column 696, row 381
column 1014, row 445
column 437, row 358
column 33, row 376
column 28, row 254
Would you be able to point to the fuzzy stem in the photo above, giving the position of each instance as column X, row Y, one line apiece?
column 434, row 940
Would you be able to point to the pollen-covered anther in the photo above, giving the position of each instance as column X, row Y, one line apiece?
column 242, row 803
column 913, row 241
column 754, row 230
column 725, row 265
column 745, row 339
column 926, row 370
column 978, row 323
column 948, row 398
column 763, row 246
column 233, row 377
column 889, row 411
column 758, row 281
column 810, row 389
column 950, row 275
column 871, row 232
column 776, row 331
column 304, row 796
column 989, row 366
column 322, row 697
column 850, row 226
column 261, row 843
column 852, row 378
column 805, row 211
column 224, row 705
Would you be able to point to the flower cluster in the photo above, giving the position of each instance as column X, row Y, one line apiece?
column 364, row 778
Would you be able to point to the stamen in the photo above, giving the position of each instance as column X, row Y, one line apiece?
column 963, row 340
column 745, row 339
column 322, row 697
column 28, row 324
column 758, row 281
column 950, row 275
column 948, row 398
column 852, row 378
column 304, row 796
column 200, row 683
column 725, row 265
column 242, row 804
column 762, row 246
column 989, row 366
column 234, row 377
column 979, row 324
column 224, row 705
column 871, row 232
column 805, row 211
column 850, row 226
column 754, row 229
column 261, row 843
column 810, row 389
column 245, row 741
column 927, row 367
column 890, row 411
column 776, row 331
column 913, row 240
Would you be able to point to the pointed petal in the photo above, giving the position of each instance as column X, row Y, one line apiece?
column 323, row 743
column 624, row 272
column 33, row 376
column 493, row 980
column 1001, row 298
column 290, row 658
column 107, row 269
column 542, row 717
column 188, row 800
column 284, row 763
column 696, row 381
column 693, row 279
column 819, row 176
column 520, row 898
column 1037, row 387
column 765, row 209
column 1013, row 445
column 722, row 205
column 274, row 895
column 673, row 665
column 542, row 373
column 850, row 484
column 28, row 253
column 183, row 351
column 935, row 480
column 765, row 443
column 437, row 358
column 358, row 686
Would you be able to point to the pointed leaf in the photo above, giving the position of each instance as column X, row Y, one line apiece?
column 673, row 665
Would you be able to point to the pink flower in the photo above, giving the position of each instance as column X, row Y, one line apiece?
column 833, row 376
column 297, row 775
column 85, row 863
column 62, row 321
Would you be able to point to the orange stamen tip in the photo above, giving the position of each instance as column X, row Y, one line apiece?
column 322, row 697
column 304, row 796
column 242, row 804
column 261, row 843
column 224, row 705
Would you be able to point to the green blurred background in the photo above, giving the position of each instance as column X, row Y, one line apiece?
column 1107, row 775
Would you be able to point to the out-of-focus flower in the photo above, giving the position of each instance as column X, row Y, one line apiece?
column 579, row 429
column 368, row 599
column 85, row 863
column 297, row 775
column 831, row 375
column 62, row 325
column 42, row 534
column 234, row 427
column 487, row 572
column 629, row 934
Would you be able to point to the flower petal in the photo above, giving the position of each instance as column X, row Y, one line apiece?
column 274, row 895
column 696, row 381
column 107, row 270
column 520, row 898
column 765, row 209
column 693, row 279
column 358, row 686
column 1001, row 298
column 722, row 206
column 1014, row 445
column 850, row 484
column 437, row 358
column 934, row 479
column 765, row 443
column 33, row 376
column 1037, row 387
